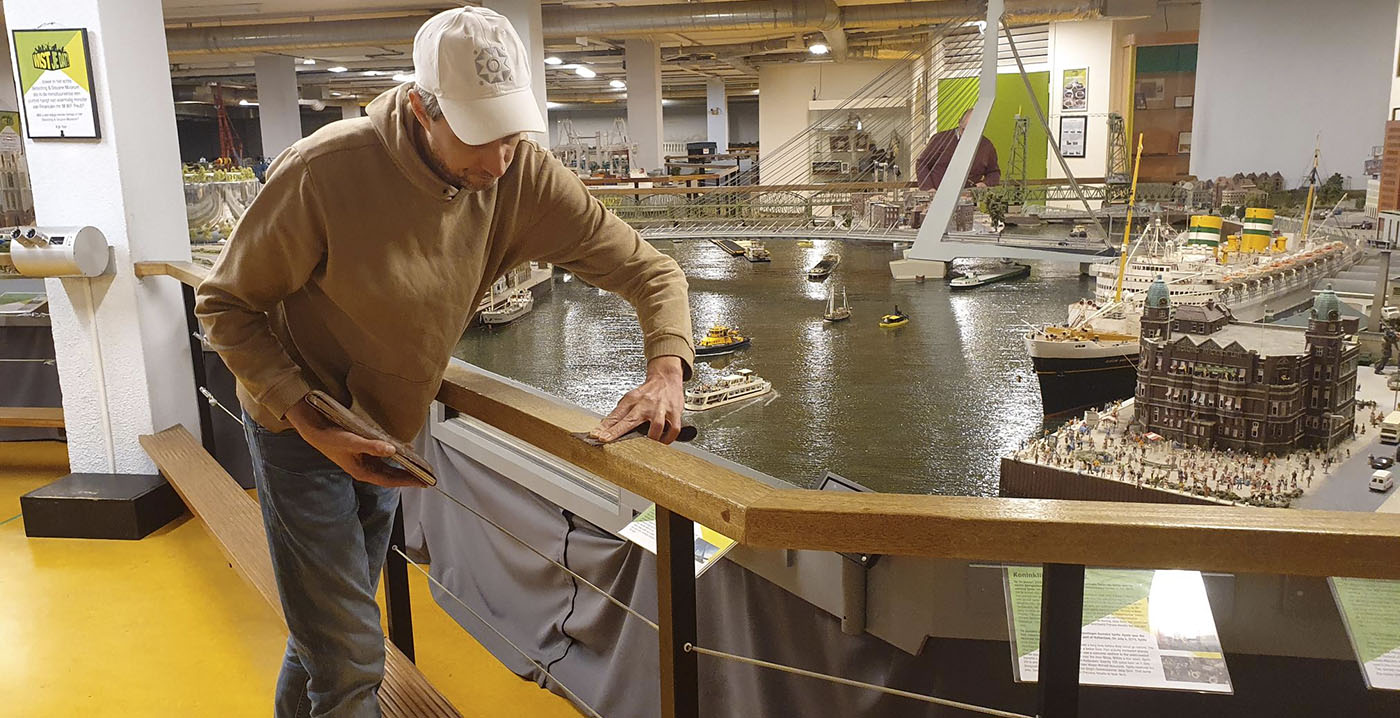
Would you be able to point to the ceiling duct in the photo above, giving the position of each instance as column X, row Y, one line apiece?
column 633, row 20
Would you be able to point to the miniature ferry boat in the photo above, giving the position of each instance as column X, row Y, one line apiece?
column 896, row 319
column 835, row 313
column 738, row 386
column 756, row 252
column 822, row 269
column 517, row 305
column 974, row 278
column 720, row 340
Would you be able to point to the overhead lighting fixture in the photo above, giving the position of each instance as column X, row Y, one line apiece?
column 308, row 61
column 550, row 104
column 245, row 103
column 818, row 48
column 335, row 94
column 619, row 84
column 552, row 60
column 582, row 71
column 373, row 73
column 405, row 77
column 337, row 68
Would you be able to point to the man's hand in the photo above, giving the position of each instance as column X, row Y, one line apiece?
column 659, row 400
column 361, row 458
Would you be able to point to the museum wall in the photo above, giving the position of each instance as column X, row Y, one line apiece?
column 1273, row 74
column 786, row 91
column 680, row 122
column 1395, row 77
column 1075, row 46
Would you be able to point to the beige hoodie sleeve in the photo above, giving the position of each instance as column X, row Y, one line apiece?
column 270, row 256
column 577, row 232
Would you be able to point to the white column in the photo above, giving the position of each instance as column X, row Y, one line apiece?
column 350, row 111
column 644, row 101
column 123, row 354
column 717, row 114
column 279, row 115
column 524, row 16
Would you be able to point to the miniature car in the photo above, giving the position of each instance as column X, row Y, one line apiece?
column 1363, row 224
column 1382, row 462
column 1381, row 481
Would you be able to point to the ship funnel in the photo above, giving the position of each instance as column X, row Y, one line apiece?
column 1258, row 229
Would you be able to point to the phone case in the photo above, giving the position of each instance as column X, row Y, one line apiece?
column 360, row 426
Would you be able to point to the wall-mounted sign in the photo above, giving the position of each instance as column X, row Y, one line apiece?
column 55, row 83
column 1075, row 90
column 10, row 143
column 1073, row 128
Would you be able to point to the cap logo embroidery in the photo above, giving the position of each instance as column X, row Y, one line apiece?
column 491, row 65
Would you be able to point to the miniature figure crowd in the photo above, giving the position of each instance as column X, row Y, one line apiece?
column 1145, row 459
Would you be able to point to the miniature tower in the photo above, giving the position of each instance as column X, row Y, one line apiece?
column 1157, row 312
column 1331, row 396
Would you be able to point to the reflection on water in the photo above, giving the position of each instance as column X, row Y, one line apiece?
column 925, row 408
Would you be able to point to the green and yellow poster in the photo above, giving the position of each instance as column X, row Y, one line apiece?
column 55, row 83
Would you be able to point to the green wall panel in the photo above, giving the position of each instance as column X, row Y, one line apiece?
column 955, row 95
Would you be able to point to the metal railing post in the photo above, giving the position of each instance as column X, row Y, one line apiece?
column 675, row 594
column 206, row 419
column 1061, row 619
column 396, row 601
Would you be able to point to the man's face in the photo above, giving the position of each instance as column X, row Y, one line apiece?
column 472, row 167
column 962, row 123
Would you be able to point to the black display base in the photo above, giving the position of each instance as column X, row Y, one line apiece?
column 102, row 506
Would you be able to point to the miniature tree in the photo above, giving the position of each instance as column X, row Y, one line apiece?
column 997, row 205
column 1332, row 188
column 1227, row 210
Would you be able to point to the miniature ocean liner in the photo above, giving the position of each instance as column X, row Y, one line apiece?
column 740, row 385
column 1091, row 359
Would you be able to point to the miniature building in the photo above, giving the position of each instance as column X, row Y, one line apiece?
column 1246, row 387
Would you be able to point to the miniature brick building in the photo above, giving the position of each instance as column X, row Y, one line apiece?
column 1264, row 389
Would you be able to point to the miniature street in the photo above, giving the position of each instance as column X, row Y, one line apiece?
column 1106, row 445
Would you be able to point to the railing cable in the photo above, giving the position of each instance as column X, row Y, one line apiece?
column 690, row 647
column 573, row 696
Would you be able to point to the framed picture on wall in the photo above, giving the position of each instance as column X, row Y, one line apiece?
column 1183, row 101
column 1183, row 143
column 1075, row 90
column 1151, row 89
column 1073, row 128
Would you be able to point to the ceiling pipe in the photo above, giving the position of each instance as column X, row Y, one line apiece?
column 569, row 21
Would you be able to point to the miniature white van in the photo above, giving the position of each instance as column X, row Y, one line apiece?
column 1390, row 428
column 1381, row 480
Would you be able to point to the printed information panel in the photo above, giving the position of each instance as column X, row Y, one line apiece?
column 710, row 545
column 55, row 83
column 1141, row 629
column 1371, row 611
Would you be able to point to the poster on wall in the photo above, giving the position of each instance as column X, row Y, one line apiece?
column 1076, row 90
column 10, row 143
column 1140, row 629
column 1371, row 612
column 1072, row 131
column 55, row 83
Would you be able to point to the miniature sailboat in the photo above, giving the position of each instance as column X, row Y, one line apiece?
column 835, row 313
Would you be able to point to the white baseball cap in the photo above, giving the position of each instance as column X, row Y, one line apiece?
column 471, row 59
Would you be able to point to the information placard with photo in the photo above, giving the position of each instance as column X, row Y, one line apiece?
column 55, row 84
column 1141, row 629
column 1370, row 610
column 1073, row 128
column 1075, row 90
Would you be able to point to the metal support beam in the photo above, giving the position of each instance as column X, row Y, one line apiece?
column 206, row 419
column 397, row 609
column 675, row 594
column 1061, row 621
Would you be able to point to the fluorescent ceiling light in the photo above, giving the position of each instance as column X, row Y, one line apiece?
column 552, row 60
column 619, row 84
column 337, row 68
column 550, row 104
column 582, row 71
column 818, row 48
column 308, row 61
column 246, row 103
column 405, row 77
column 372, row 73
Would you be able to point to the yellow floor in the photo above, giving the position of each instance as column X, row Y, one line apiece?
column 164, row 627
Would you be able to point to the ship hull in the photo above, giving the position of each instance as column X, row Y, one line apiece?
column 708, row 352
column 1069, row 383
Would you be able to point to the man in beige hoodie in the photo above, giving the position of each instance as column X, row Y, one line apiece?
column 355, row 272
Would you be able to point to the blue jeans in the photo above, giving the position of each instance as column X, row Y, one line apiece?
column 328, row 535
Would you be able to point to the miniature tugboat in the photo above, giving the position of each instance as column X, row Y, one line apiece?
column 835, row 313
column 720, row 340
column 738, row 386
column 897, row 319
column 822, row 269
column 756, row 252
column 517, row 305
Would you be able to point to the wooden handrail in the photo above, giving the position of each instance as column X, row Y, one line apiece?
column 187, row 272
column 1208, row 538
